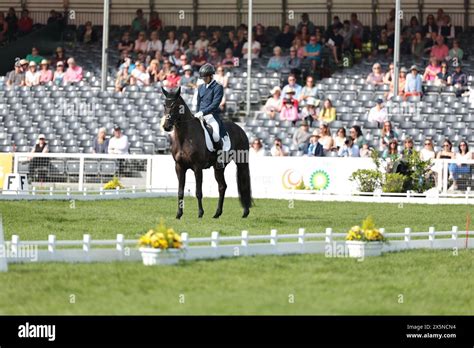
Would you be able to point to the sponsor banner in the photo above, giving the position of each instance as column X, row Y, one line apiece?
column 271, row 176
column 6, row 165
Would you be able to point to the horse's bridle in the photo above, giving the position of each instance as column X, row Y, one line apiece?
column 168, row 115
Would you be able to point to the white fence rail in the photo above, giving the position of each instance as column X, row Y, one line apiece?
column 216, row 246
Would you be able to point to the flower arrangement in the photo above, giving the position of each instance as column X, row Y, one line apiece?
column 113, row 184
column 367, row 233
column 162, row 237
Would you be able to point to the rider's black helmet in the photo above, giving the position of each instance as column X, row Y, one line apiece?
column 207, row 70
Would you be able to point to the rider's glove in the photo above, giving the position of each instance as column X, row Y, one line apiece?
column 199, row 115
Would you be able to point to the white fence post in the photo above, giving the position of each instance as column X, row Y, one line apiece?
column 214, row 239
column 86, row 246
column 454, row 234
column 273, row 237
column 382, row 230
column 101, row 191
column 33, row 191
column 15, row 244
column 245, row 239
column 81, row 173
column 431, row 236
column 120, row 243
column 328, row 238
column 3, row 258
column 301, row 235
column 51, row 243
column 84, row 189
column 185, row 239
column 68, row 191
column 51, row 191
column 407, row 236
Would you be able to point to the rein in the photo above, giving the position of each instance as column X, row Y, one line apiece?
column 173, row 104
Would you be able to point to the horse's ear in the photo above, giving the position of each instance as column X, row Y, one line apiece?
column 164, row 91
column 178, row 93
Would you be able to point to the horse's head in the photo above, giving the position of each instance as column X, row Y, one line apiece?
column 173, row 108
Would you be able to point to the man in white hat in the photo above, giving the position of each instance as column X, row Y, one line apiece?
column 310, row 112
column 414, row 83
column 188, row 79
column 32, row 76
column 16, row 77
column 273, row 104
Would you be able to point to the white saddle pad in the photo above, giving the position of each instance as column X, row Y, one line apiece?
column 209, row 144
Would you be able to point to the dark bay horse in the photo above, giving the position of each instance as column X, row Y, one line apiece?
column 188, row 147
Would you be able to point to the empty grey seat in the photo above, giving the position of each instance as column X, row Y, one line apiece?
column 56, row 166
column 107, row 167
column 91, row 167
column 72, row 167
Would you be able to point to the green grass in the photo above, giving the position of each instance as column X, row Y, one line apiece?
column 431, row 282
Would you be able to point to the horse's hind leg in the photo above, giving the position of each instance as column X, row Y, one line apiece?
column 219, row 175
column 198, row 176
column 181, row 173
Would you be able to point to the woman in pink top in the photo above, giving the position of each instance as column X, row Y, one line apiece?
column 73, row 73
column 46, row 75
column 289, row 111
column 432, row 70
column 141, row 43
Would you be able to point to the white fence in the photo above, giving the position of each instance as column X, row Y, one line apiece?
column 121, row 249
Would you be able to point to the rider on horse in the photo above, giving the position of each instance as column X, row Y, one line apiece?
column 208, row 100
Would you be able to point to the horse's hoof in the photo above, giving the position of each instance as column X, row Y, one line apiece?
column 245, row 214
column 178, row 216
column 216, row 216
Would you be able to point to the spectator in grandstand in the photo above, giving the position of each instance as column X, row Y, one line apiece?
column 349, row 149
column 216, row 41
column 118, row 144
column 73, row 72
column 391, row 151
column 327, row 113
column 175, row 59
column 356, row 134
column 25, row 24
column 430, row 26
column 101, row 143
column 313, row 52
column 12, row 21
column 255, row 48
column 58, row 77
column 446, row 29
column 339, row 139
column 34, row 56
column 402, row 78
column 390, row 74
column 315, row 148
column 153, row 71
column 125, row 43
column 418, row 46
column 200, row 59
column 221, row 77
column 310, row 112
column 24, row 65
column 413, row 28
column 277, row 62
column 237, row 47
column 46, row 75
column 387, row 134
column 365, row 151
column 384, row 46
column 173, row 79
column 446, row 152
column 256, row 149
column 39, row 165
column 184, row 41
column 301, row 136
column 455, row 53
column 123, row 76
column 458, row 79
column 460, row 168
column 190, row 52
column 307, row 23
column 430, row 43
column 432, row 70
column 303, row 35
column 278, row 149
column 292, row 85
column 439, row 17
column 325, row 137
column 357, row 29
column 139, row 22
column 3, row 28
column 165, row 71
column 32, row 76
column 229, row 59
column 427, row 152
column 53, row 17
column 188, row 79
column 183, row 60
column 260, row 35
column 88, row 35
column 440, row 51
column 171, row 43
column 41, row 145
column 443, row 76
column 273, row 105
column 141, row 43
column 202, row 42
column 413, row 84
column 408, row 147
column 334, row 41
column 154, row 44
column 376, row 76
column 214, row 57
column 285, row 38
column 390, row 23
column 140, row 76
column 16, row 77
column 155, row 22
column 309, row 90
column 288, row 111
column 346, row 34
column 59, row 56
column 378, row 113
column 293, row 62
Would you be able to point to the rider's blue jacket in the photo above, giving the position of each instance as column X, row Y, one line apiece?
column 208, row 101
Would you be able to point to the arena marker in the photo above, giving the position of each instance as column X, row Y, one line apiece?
column 468, row 223
column 3, row 255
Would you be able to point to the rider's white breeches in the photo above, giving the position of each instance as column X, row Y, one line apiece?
column 215, row 127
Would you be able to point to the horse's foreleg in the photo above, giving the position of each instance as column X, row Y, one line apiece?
column 219, row 175
column 198, row 176
column 181, row 173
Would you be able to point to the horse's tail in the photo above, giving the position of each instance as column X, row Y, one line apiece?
column 243, row 185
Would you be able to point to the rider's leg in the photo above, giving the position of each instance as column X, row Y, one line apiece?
column 215, row 127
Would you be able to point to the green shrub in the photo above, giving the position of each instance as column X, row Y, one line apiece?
column 394, row 183
column 368, row 180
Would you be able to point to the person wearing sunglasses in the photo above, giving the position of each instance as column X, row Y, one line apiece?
column 427, row 152
column 460, row 167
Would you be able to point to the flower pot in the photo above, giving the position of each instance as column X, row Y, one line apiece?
column 152, row 256
column 362, row 249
